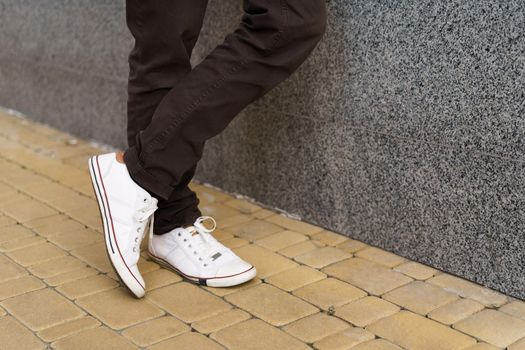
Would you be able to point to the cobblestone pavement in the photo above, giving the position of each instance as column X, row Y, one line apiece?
column 315, row 288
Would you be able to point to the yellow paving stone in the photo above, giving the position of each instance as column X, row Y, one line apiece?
column 54, row 194
column 484, row 346
column 160, row 278
column 254, row 229
column 243, row 205
column 107, row 306
column 300, row 248
column 352, row 246
column 6, row 191
column 365, row 311
column 265, row 261
column 56, row 266
column 344, row 340
column 10, row 170
column 27, row 209
column 313, row 328
column 59, row 171
column 9, row 270
column 222, row 291
column 221, row 235
column 372, row 277
column 376, row 344
column 36, row 254
column 15, row 336
column 65, row 329
column 515, row 308
column 233, row 220
column 322, row 257
column 412, row 331
column 87, row 286
column 15, row 244
column 519, row 345
column 330, row 238
column 70, row 276
column 94, row 255
column 263, row 214
column 146, row 266
column 380, row 256
column 188, row 302
column 6, row 221
column 81, row 185
column 420, row 297
column 76, row 239
column 271, row 304
column 12, row 232
column 154, row 331
column 89, row 216
column 187, row 341
column 79, row 161
column 72, row 199
column 328, row 293
column 67, row 151
column 209, row 194
column 25, row 178
column 293, row 225
column 235, row 242
column 94, row 338
column 13, row 198
column 469, row 290
column 42, row 309
column 281, row 240
column 220, row 321
column 294, row 278
column 416, row 270
column 494, row 327
column 255, row 334
column 456, row 311
column 19, row 286
column 218, row 211
column 54, row 225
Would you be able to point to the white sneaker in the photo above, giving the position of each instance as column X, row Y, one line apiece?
column 195, row 254
column 125, row 208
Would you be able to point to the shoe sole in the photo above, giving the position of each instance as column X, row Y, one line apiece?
column 122, row 270
column 227, row 281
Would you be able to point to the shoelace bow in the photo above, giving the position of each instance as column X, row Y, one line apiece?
column 211, row 246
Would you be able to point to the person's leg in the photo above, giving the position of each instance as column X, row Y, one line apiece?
column 165, row 33
column 273, row 39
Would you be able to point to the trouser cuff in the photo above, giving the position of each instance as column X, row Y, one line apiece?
column 142, row 177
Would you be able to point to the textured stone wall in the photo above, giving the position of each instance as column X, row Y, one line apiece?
column 404, row 129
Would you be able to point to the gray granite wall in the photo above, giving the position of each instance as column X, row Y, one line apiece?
column 404, row 129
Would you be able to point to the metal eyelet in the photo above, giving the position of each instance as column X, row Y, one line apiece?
column 138, row 229
column 179, row 234
column 200, row 259
column 134, row 249
column 205, row 264
column 145, row 200
column 195, row 253
column 185, row 239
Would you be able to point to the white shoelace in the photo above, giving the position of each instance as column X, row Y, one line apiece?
column 208, row 246
column 143, row 214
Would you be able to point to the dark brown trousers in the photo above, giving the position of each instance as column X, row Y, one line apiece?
column 173, row 109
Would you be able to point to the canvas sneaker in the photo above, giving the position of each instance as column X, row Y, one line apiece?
column 125, row 208
column 195, row 254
